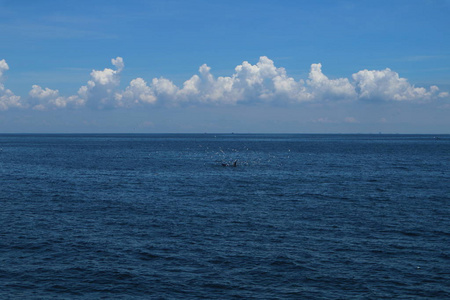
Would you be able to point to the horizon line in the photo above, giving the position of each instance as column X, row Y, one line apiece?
column 216, row 133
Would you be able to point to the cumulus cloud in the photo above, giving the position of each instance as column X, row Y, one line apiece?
column 7, row 97
column 137, row 92
column 323, row 88
column 3, row 67
column 100, row 91
column 387, row 85
column 262, row 82
column 164, row 89
column 42, row 99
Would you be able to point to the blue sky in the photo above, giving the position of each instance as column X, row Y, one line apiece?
column 225, row 66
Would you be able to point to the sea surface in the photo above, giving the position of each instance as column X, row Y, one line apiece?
column 168, row 216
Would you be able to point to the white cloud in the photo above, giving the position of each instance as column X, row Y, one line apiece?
column 3, row 67
column 261, row 82
column 387, row 85
column 323, row 88
column 138, row 92
column 100, row 91
column 164, row 89
column 265, row 82
column 7, row 97
column 118, row 63
column 43, row 99
column 204, row 88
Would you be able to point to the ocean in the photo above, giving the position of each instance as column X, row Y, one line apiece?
column 169, row 216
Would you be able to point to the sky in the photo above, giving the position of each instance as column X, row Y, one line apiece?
column 247, row 66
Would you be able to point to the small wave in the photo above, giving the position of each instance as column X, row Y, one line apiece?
column 218, row 286
column 144, row 255
column 410, row 233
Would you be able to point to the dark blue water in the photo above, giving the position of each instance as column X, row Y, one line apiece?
column 159, row 217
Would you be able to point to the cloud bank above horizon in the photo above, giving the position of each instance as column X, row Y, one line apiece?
column 259, row 83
